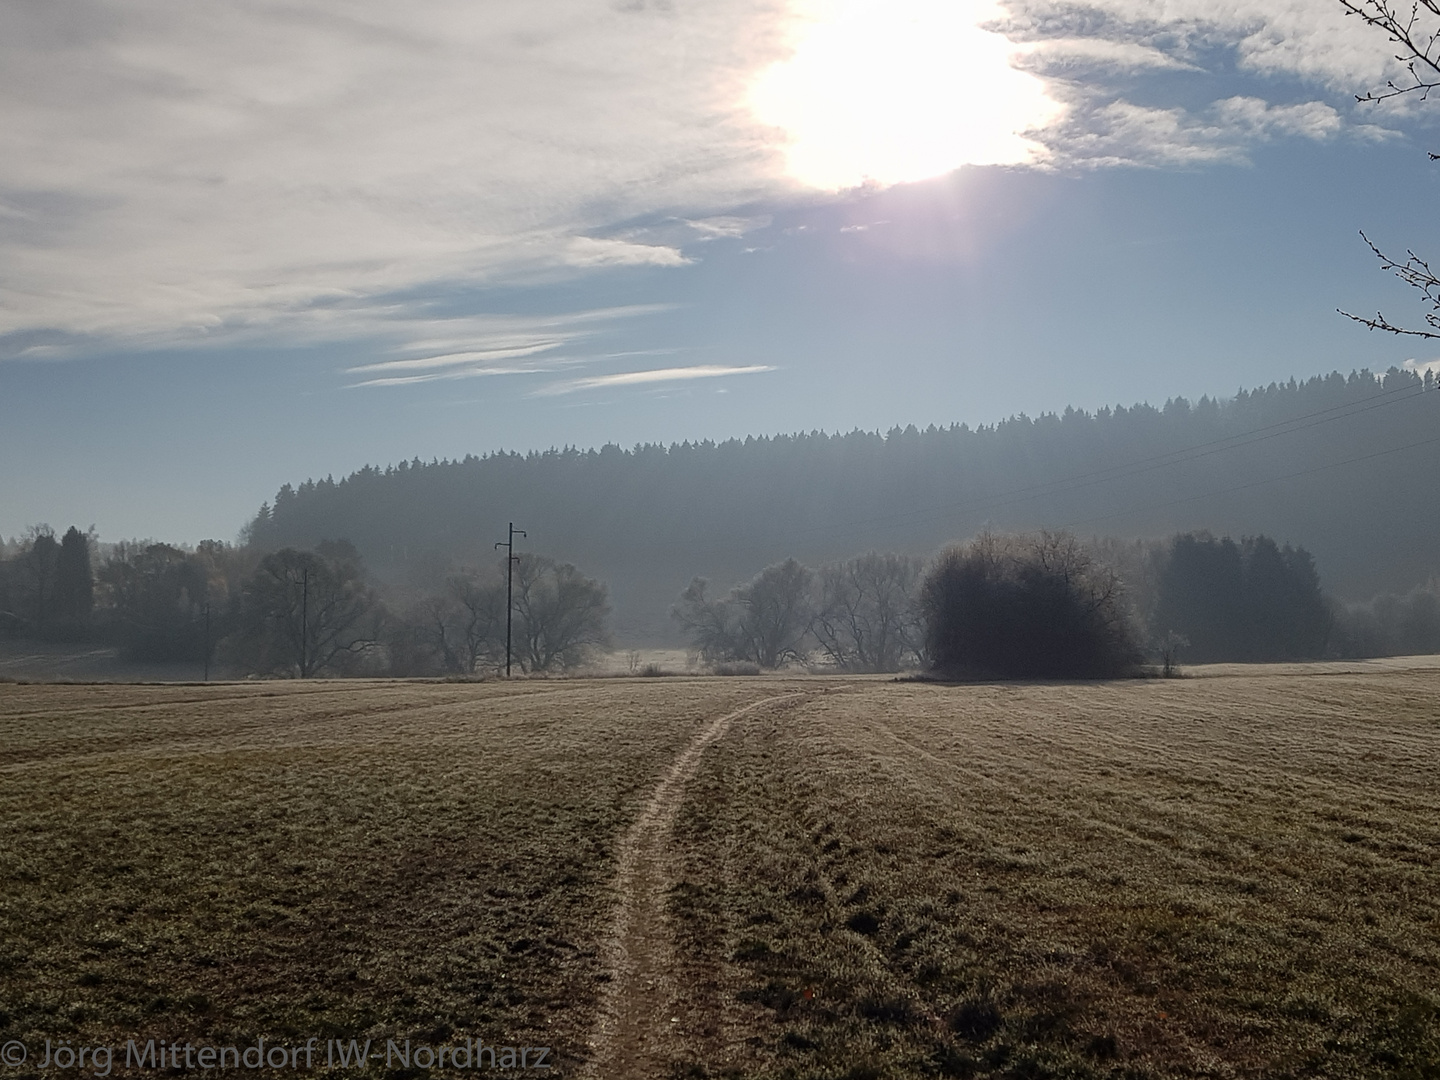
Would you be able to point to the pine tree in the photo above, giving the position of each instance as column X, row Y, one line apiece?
column 74, row 580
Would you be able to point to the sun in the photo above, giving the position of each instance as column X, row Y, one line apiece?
column 890, row 91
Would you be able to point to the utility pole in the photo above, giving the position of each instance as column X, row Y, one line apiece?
column 510, row 560
column 207, row 642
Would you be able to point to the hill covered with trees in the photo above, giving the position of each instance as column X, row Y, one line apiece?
column 1345, row 465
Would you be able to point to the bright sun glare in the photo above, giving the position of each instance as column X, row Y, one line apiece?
column 890, row 91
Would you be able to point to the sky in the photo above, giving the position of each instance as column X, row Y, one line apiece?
column 249, row 243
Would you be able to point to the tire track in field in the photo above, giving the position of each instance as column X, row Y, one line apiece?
column 642, row 1028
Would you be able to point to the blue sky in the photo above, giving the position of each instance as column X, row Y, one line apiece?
column 246, row 245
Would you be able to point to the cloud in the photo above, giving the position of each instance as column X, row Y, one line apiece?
column 657, row 375
column 1123, row 133
column 1090, row 51
column 1071, row 56
column 728, row 226
column 173, row 172
column 474, row 359
column 1256, row 118
column 484, row 345
column 477, row 372
column 1308, row 39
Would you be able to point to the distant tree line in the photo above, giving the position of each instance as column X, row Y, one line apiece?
column 1018, row 605
column 152, row 600
column 1045, row 605
column 293, row 612
column 1002, row 606
column 1250, row 600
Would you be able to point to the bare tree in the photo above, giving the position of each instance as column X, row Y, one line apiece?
column 461, row 629
column 1411, row 27
column 480, row 627
column 561, row 614
column 712, row 625
column 765, row 621
column 775, row 613
column 1415, row 31
column 310, row 612
column 867, row 618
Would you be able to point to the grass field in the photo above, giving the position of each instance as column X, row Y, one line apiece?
column 1231, row 875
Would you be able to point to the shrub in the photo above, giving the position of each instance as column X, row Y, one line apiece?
column 1026, row 606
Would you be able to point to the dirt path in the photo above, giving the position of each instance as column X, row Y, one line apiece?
column 646, row 1023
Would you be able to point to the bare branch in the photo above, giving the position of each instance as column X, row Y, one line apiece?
column 1416, row 273
column 1419, row 48
column 1379, row 322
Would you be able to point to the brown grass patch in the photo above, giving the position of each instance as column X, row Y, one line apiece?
column 1213, row 877
column 417, row 861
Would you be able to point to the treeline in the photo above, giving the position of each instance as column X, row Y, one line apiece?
column 1036, row 605
column 1344, row 462
column 1021, row 605
column 154, row 601
column 292, row 612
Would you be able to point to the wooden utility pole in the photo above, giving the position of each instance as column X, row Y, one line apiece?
column 510, row 560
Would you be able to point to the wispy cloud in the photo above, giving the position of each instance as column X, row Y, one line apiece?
column 478, row 358
column 1090, row 49
column 462, row 373
column 1079, row 56
column 1307, row 39
column 655, row 375
column 173, row 173
column 1125, row 133
column 481, row 346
